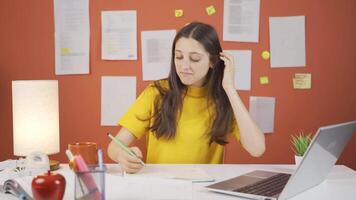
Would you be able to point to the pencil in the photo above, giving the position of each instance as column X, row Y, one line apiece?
column 125, row 148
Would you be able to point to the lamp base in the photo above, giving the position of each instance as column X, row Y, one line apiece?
column 53, row 165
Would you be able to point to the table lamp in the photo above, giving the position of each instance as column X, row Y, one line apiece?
column 35, row 117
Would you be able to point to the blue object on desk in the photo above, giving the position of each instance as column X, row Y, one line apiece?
column 100, row 159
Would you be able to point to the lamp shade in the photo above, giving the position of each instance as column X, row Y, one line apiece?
column 35, row 116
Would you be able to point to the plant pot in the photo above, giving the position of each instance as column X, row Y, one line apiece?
column 297, row 159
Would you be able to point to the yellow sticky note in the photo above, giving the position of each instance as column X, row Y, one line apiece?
column 210, row 10
column 265, row 55
column 302, row 81
column 65, row 51
column 263, row 80
column 178, row 12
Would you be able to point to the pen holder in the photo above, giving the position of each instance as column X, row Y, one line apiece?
column 90, row 185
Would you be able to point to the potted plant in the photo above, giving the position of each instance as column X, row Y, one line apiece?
column 300, row 143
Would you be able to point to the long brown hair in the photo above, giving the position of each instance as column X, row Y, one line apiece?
column 168, row 103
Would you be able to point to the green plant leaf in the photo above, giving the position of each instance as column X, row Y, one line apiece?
column 300, row 143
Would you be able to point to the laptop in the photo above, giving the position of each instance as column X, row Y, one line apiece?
column 318, row 160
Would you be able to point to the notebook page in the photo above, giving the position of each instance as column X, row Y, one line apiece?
column 191, row 173
column 135, row 187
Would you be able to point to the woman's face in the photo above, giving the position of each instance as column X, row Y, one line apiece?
column 191, row 61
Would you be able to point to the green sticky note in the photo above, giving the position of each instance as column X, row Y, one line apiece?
column 210, row 10
column 178, row 12
column 263, row 80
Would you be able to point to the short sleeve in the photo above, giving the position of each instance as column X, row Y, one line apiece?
column 138, row 117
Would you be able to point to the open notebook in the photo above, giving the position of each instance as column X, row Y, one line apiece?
column 20, row 185
column 136, row 187
column 194, row 174
column 20, row 188
column 154, row 182
column 188, row 173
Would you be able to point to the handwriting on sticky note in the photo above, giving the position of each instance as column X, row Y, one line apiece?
column 302, row 81
column 264, row 80
column 210, row 10
column 178, row 12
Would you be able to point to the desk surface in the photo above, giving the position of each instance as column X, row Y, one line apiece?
column 340, row 183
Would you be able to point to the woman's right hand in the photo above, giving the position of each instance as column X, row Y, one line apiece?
column 128, row 163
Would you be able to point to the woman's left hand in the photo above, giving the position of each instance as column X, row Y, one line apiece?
column 229, row 71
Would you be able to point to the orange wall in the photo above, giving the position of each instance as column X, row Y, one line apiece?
column 27, row 52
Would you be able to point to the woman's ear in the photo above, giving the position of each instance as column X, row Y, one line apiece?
column 215, row 60
column 212, row 64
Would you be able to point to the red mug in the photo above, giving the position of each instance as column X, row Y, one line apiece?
column 88, row 150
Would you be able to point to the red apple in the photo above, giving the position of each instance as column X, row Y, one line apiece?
column 48, row 186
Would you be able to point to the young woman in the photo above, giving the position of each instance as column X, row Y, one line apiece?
column 188, row 116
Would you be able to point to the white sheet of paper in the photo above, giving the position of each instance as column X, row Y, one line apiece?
column 241, row 20
column 188, row 173
column 118, row 35
column 135, row 187
column 287, row 41
column 242, row 60
column 71, row 24
column 156, row 53
column 262, row 111
column 117, row 95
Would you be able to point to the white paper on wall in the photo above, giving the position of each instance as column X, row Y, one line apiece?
column 71, row 25
column 156, row 53
column 287, row 41
column 242, row 59
column 117, row 95
column 118, row 35
column 262, row 111
column 241, row 20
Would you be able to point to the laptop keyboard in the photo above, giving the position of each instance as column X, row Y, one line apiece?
column 266, row 187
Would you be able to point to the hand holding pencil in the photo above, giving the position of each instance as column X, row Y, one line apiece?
column 129, row 158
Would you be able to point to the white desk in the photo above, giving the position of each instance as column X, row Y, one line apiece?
column 340, row 184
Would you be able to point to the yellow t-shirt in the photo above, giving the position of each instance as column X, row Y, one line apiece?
column 191, row 142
